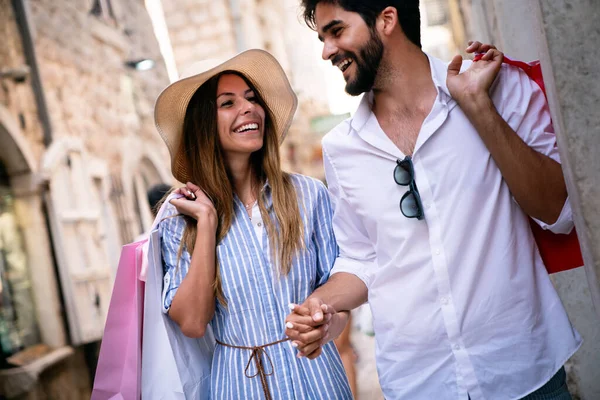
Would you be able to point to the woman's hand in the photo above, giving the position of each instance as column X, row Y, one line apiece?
column 196, row 204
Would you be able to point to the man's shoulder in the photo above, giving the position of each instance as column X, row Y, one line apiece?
column 336, row 135
column 513, row 86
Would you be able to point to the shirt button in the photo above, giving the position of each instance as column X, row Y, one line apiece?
column 456, row 347
column 259, row 224
column 437, row 251
column 444, row 300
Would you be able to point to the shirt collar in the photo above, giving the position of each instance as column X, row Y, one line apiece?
column 439, row 73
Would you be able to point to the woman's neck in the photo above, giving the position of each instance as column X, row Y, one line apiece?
column 242, row 176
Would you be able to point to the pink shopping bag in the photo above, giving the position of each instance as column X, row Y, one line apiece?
column 119, row 362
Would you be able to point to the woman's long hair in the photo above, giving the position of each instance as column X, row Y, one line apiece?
column 203, row 157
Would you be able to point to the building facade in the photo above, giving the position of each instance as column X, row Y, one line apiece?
column 78, row 149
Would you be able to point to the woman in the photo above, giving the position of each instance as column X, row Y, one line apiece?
column 247, row 239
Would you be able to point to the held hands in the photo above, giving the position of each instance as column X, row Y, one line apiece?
column 473, row 84
column 196, row 204
column 308, row 326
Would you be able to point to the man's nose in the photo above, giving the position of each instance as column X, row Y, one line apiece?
column 329, row 50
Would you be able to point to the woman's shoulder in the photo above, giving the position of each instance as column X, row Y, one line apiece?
column 307, row 184
column 172, row 223
column 313, row 192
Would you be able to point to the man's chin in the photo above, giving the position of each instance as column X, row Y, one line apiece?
column 354, row 89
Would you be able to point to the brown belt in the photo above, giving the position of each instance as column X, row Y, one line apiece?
column 257, row 353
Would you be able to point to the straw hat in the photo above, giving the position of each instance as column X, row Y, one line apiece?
column 258, row 66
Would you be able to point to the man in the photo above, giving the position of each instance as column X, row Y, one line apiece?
column 433, row 181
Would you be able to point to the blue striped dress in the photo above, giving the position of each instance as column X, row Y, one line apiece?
column 258, row 301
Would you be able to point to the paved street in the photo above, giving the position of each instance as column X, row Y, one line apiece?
column 366, row 372
column 364, row 345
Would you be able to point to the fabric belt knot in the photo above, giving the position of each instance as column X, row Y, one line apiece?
column 257, row 355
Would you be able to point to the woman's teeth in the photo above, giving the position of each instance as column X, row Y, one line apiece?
column 247, row 127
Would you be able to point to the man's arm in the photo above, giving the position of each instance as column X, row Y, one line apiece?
column 343, row 292
column 535, row 180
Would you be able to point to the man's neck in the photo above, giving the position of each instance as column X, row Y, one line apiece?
column 405, row 81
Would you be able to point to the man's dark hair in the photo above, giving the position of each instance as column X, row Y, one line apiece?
column 155, row 195
column 409, row 15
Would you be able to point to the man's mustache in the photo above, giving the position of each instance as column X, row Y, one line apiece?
column 338, row 58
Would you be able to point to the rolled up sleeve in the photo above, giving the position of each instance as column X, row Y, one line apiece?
column 523, row 105
column 564, row 224
column 175, row 268
column 356, row 252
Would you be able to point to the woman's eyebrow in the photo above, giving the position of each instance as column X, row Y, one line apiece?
column 233, row 94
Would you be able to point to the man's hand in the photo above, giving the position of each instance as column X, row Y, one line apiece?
column 473, row 85
column 308, row 327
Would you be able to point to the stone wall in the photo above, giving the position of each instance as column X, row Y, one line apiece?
column 89, row 90
column 92, row 95
column 199, row 30
column 17, row 98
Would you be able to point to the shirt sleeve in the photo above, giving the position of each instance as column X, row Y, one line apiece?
column 323, row 236
column 522, row 104
column 356, row 252
column 175, row 269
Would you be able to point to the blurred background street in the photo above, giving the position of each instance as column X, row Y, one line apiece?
column 79, row 150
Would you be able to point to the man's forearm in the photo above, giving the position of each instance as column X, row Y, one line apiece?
column 343, row 292
column 534, row 179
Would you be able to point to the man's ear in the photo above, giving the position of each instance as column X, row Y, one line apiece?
column 387, row 20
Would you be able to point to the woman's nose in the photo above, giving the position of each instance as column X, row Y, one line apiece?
column 248, row 107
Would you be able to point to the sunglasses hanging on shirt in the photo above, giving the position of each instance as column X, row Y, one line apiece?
column 404, row 175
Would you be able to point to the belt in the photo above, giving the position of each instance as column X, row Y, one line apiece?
column 256, row 355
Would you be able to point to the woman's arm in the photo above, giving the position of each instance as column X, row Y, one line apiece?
column 194, row 303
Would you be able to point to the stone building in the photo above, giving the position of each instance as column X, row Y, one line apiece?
column 78, row 149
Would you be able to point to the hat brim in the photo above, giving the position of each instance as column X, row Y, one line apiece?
column 258, row 66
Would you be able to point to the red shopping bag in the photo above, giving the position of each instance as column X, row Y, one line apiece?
column 559, row 252
column 119, row 363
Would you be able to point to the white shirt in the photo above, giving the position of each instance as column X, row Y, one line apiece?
column 461, row 301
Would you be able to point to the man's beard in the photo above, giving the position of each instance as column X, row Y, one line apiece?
column 366, row 66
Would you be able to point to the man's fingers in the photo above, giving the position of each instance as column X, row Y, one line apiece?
column 455, row 65
column 327, row 309
column 314, row 305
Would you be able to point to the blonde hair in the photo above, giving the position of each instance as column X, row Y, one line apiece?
column 204, row 161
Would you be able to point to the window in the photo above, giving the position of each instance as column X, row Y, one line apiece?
column 18, row 323
column 85, row 235
column 103, row 9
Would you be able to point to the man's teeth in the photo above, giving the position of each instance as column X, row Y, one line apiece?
column 344, row 64
column 246, row 127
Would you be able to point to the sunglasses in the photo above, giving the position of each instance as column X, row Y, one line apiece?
column 404, row 175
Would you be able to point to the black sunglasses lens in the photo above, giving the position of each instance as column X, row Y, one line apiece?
column 402, row 174
column 410, row 206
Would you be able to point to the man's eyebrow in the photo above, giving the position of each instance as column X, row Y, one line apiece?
column 328, row 27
